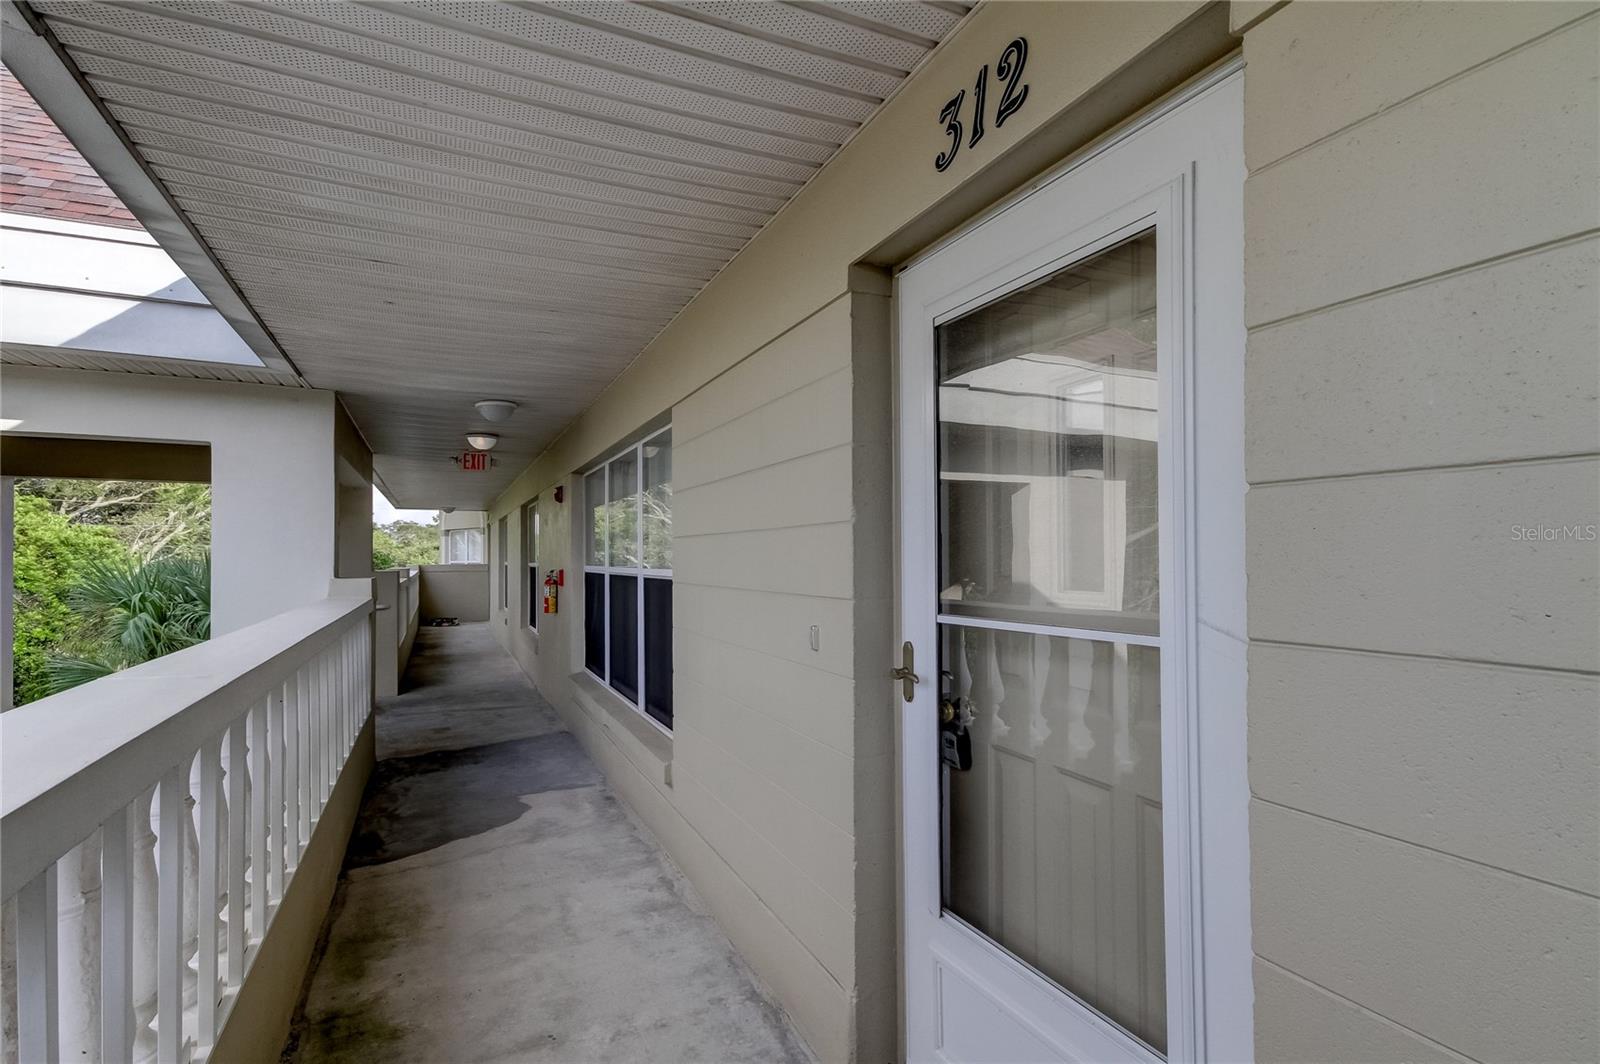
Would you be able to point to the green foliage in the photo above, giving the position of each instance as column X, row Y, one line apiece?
column 143, row 610
column 100, row 584
column 402, row 544
column 152, row 519
column 50, row 552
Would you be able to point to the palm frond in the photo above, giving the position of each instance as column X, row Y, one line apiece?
column 65, row 672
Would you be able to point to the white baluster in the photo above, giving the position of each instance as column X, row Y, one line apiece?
column 208, row 893
column 291, row 774
column 325, row 728
column 169, row 933
column 308, row 749
column 116, row 937
column 38, row 1027
column 258, row 822
column 146, row 912
column 8, row 981
column 191, row 883
column 236, row 852
column 78, row 942
column 275, row 850
column 346, row 702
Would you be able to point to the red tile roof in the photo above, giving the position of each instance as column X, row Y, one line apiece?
column 41, row 173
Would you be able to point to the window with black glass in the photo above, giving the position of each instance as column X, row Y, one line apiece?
column 627, row 576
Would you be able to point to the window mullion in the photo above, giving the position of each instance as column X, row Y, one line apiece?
column 638, row 580
column 605, row 556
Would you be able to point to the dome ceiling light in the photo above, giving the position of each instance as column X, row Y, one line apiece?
column 482, row 441
column 495, row 409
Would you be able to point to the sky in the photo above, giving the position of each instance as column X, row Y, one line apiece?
column 383, row 512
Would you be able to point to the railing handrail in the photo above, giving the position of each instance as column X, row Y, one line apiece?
column 67, row 762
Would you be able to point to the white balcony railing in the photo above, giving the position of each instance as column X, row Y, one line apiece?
column 151, row 821
column 410, row 602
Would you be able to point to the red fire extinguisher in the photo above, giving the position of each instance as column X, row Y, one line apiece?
column 550, row 593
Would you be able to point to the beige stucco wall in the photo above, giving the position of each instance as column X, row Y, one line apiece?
column 1421, row 293
column 273, row 470
column 460, row 591
column 353, row 505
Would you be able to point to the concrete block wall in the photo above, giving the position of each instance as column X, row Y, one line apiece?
column 1421, row 277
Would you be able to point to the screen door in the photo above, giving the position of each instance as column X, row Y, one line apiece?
column 1048, row 481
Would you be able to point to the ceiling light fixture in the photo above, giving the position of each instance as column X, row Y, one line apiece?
column 495, row 409
column 482, row 441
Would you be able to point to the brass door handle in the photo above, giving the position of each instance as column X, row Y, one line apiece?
column 906, row 672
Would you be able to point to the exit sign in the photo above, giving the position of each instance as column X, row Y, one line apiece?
column 474, row 461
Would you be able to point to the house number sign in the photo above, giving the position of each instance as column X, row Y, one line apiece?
column 1008, row 72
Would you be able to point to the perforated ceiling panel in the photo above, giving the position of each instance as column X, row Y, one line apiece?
column 434, row 203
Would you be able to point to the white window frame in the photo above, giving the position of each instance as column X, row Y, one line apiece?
column 449, row 545
column 533, row 597
column 503, row 544
column 607, row 570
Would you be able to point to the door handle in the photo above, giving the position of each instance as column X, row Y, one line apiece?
column 906, row 673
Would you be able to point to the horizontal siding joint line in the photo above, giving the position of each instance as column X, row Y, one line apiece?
column 802, row 873
column 1451, row 467
column 1380, row 1017
column 759, row 530
column 1291, row 644
column 753, row 352
column 1425, row 90
column 678, row 491
column 764, row 404
column 1432, row 278
column 1487, row 866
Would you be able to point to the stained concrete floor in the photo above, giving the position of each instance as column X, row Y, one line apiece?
column 499, row 904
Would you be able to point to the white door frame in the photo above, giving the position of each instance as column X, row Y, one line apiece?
column 1181, row 170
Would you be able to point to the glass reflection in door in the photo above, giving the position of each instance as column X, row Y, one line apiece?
column 1049, row 602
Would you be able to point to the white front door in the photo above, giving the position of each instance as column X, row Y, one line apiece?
column 1071, row 484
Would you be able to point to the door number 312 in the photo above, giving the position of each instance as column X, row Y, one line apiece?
column 1008, row 70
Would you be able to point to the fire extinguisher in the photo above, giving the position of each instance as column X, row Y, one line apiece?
column 550, row 593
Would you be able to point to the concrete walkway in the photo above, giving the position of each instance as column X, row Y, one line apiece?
column 499, row 904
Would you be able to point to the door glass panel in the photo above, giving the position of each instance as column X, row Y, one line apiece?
column 1048, row 425
column 1054, row 843
column 1047, row 450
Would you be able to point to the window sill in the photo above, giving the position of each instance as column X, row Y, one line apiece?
column 645, row 745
